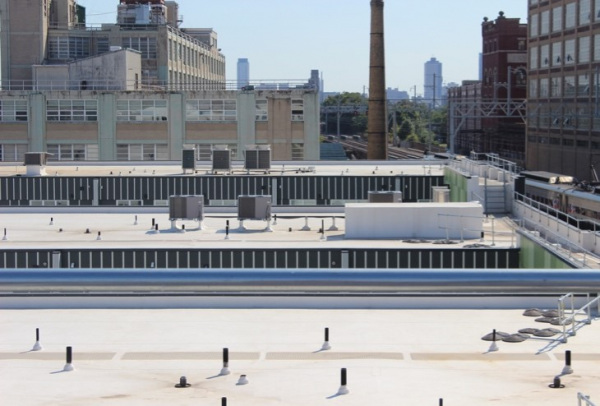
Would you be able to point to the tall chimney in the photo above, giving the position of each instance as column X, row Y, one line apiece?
column 377, row 120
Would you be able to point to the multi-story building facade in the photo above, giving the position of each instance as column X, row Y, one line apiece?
column 563, row 125
column 79, row 125
column 504, row 68
column 36, row 32
column 433, row 83
column 180, row 101
column 487, row 115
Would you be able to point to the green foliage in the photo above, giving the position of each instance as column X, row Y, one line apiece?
column 353, row 119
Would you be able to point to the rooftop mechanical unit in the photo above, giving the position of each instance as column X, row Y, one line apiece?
column 258, row 157
column 441, row 194
column 188, row 159
column 254, row 207
column 186, row 207
column 221, row 159
column 391, row 196
column 36, row 158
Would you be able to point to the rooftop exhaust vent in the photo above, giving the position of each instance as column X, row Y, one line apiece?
column 385, row 197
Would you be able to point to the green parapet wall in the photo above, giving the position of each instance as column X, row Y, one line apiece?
column 458, row 185
column 533, row 255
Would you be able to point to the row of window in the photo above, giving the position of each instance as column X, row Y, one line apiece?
column 564, row 17
column 562, row 142
column 565, row 53
column 567, row 86
column 72, row 152
column 571, row 117
column 13, row 110
column 140, row 110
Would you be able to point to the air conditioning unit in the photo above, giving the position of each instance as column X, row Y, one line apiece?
column 254, row 207
column 258, row 157
column 221, row 158
column 441, row 194
column 186, row 207
column 188, row 159
column 385, row 197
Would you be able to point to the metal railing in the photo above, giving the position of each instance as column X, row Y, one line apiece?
column 567, row 314
column 583, row 400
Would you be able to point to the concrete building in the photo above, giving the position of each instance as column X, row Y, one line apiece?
column 243, row 72
column 36, row 32
column 117, row 70
column 433, row 83
column 130, row 126
column 563, row 123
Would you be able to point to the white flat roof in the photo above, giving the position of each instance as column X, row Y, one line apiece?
column 412, row 357
column 30, row 228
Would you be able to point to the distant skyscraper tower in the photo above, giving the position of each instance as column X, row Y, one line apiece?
column 243, row 72
column 433, row 82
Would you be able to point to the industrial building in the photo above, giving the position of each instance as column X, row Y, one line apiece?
column 563, row 120
column 138, row 90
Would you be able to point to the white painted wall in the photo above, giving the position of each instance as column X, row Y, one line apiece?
column 414, row 220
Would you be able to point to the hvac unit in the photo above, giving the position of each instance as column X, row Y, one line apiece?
column 36, row 158
column 258, row 157
column 188, row 159
column 221, row 159
column 441, row 194
column 254, row 207
column 385, row 197
column 186, row 207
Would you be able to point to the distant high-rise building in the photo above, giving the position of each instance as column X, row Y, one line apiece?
column 433, row 82
column 243, row 72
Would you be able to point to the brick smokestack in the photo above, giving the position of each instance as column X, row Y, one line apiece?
column 377, row 121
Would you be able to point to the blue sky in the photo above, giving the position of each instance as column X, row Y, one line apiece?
column 285, row 39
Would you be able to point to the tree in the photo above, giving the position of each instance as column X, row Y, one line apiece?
column 353, row 118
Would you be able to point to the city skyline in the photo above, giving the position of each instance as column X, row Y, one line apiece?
column 286, row 42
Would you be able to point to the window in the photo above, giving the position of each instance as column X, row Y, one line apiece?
column 142, row 152
column 142, row 110
column 556, row 90
column 211, row 110
column 533, row 89
column 583, row 85
column 533, row 2
column 297, row 152
column 72, row 110
column 557, row 54
column 534, row 58
column 569, row 86
column 12, row 152
column 68, row 47
column 597, row 11
column 544, row 87
column 597, row 45
column 545, row 24
column 570, row 15
column 534, row 25
column 557, row 19
column 68, row 152
column 584, row 12
column 102, row 45
column 569, row 52
column 297, row 110
column 584, row 50
column 13, row 110
column 262, row 113
column 146, row 46
column 545, row 56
